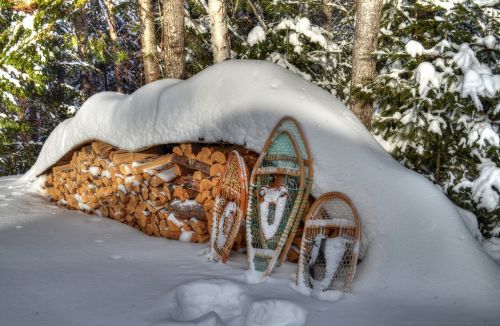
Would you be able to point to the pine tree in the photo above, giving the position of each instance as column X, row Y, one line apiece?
column 437, row 98
column 296, row 39
column 33, row 98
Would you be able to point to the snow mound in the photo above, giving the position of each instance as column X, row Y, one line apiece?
column 413, row 241
column 274, row 312
column 199, row 298
column 221, row 302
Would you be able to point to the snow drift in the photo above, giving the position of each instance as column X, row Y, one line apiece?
column 414, row 242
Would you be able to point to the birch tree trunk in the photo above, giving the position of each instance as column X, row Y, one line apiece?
column 173, row 36
column 148, row 41
column 218, row 29
column 368, row 14
column 113, row 34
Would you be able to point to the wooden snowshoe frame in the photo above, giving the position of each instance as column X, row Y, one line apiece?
column 280, row 165
column 292, row 126
column 233, row 188
column 332, row 215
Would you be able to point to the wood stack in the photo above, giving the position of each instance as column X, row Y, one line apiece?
column 165, row 195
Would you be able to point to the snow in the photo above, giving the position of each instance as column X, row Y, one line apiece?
column 277, row 197
column 483, row 188
column 414, row 48
column 426, row 77
column 419, row 260
column 28, row 22
column 256, row 35
column 167, row 175
column 478, row 79
column 275, row 313
column 489, row 41
column 94, row 170
column 482, row 133
column 185, row 235
column 334, row 249
column 106, row 174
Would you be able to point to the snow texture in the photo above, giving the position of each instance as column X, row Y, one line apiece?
column 256, row 35
column 334, row 250
column 94, row 170
column 167, row 175
column 426, row 77
column 414, row 244
column 68, row 268
column 484, row 187
column 206, row 301
column 414, row 48
column 277, row 197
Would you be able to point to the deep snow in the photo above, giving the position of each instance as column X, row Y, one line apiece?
column 415, row 247
column 61, row 267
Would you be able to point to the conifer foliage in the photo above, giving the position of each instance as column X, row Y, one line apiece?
column 437, row 98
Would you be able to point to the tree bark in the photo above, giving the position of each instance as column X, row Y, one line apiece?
column 148, row 41
column 113, row 34
column 80, row 23
column 221, row 48
column 327, row 13
column 173, row 36
column 368, row 14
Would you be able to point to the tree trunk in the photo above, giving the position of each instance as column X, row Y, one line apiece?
column 113, row 34
column 368, row 14
column 327, row 13
column 218, row 28
column 80, row 23
column 173, row 36
column 148, row 41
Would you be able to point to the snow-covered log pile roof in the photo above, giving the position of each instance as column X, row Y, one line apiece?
column 413, row 239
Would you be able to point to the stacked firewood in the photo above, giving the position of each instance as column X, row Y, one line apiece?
column 168, row 195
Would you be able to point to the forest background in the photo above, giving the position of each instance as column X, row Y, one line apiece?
column 422, row 75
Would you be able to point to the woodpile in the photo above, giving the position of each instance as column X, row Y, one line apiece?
column 164, row 191
column 167, row 193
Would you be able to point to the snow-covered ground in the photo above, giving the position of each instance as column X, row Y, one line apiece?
column 61, row 267
column 421, row 264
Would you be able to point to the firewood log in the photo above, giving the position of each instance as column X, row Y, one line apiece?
column 187, row 151
column 216, row 170
column 185, row 210
column 102, row 149
column 202, row 238
column 61, row 168
column 180, row 193
column 156, row 163
column 205, row 184
column 163, row 225
column 197, row 175
column 125, row 169
column 293, row 256
column 218, row 157
column 174, row 235
column 144, row 193
column 177, row 150
column 205, row 156
column 198, row 226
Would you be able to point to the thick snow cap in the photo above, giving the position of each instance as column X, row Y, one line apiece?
column 413, row 240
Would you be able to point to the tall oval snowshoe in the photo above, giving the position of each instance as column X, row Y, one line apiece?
column 230, row 206
column 279, row 188
column 330, row 242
